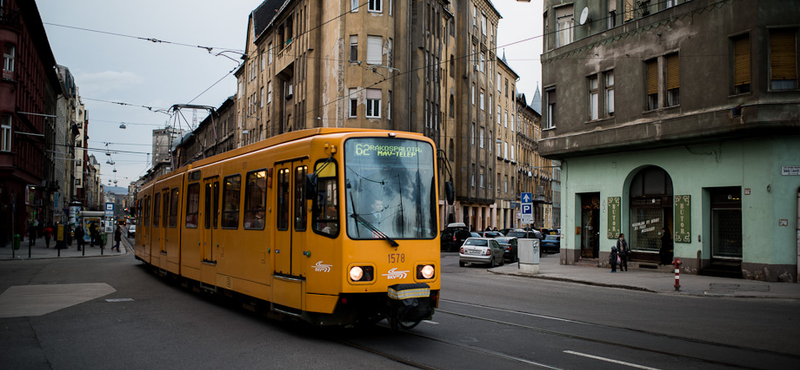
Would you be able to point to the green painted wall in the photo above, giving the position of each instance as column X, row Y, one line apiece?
column 751, row 164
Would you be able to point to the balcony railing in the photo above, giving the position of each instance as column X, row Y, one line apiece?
column 9, row 17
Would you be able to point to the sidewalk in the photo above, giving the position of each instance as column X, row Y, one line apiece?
column 653, row 281
column 39, row 250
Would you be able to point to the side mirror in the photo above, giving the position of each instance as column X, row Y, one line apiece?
column 450, row 192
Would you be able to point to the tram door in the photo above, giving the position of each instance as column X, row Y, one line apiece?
column 290, row 225
column 210, row 223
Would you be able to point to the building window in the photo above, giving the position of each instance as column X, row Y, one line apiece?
column 452, row 106
column 673, row 80
column 498, row 83
column 489, row 182
column 472, row 176
column 261, row 98
column 628, row 10
column 263, row 60
column 499, row 120
column 269, row 92
column 373, row 103
column 472, row 135
column 480, row 182
column 741, row 64
column 505, row 119
column 472, row 94
column 594, row 98
column 651, row 70
column 550, row 100
column 505, row 150
column 389, row 106
column 354, row 6
column 374, row 50
column 490, row 142
column 480, row 138
column 612, row 13
column 9, row 54
column 389, row 54
column 353, row 48
column 481, row 100
column 375, row 6
column 564, row 25
column 483, row 24
column 609, row 96
column 269, row 53
column 482, row 65
column 5, row 133
column 783, row 59
column 489, row 106
column 353, row 103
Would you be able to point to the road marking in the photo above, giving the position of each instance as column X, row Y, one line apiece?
column 430, row 322
column 115, row 300
column 610, row 360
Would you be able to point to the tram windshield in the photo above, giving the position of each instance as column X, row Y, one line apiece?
column 390, row 189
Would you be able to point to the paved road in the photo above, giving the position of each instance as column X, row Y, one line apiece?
column 110, row 312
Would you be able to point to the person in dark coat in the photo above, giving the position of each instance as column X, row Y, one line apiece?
column 666, row 247
column 94, row 232
column 624, row 252
column 612, row 259
column 79, row 233
column 31, row 234
column 117, row 239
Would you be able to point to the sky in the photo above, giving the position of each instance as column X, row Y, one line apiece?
column 124, row 76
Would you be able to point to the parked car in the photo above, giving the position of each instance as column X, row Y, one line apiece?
column 505, row 231
column 509, row 245
column 490, row 234
column 453, row 236
column 131, row 231
column 481, row 250
column 526, row 234
column 550, row 243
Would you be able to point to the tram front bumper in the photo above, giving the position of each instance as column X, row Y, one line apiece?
column 410, row 302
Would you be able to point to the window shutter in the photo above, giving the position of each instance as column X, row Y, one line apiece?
column 652, row 77
column 374, row 50
column 741, row 61
column 673, row 72
column 783, row 55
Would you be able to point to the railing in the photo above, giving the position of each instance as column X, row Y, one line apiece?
column 9, row 17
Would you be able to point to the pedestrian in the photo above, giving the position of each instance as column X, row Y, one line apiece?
column 666, row 246
column 47, row 232
column 79, row 233
column 93, row 231
column 624, row 252
column 613, row 259
column 117, row 238
column 31, row 234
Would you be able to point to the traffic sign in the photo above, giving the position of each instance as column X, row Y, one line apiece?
column 527, row 208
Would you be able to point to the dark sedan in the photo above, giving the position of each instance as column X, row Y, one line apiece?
column 550, row 243
column 509, row 245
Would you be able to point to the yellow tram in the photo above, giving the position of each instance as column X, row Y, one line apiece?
column 333, row 226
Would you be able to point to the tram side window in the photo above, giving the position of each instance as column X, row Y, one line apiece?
column 146, row 211
column 283, row 199
column 216, row 204
column 173, row 208
column 207, row 206
column 156, row 210
column 230, row 207
column 300, row 217
column 192, row 205
column 326, row 212
column 255, row 200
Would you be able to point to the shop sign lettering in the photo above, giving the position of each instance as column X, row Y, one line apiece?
column 683, row 219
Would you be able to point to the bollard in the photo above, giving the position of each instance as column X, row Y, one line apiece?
column 677, row 264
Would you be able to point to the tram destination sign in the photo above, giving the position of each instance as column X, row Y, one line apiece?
column 683, row 219
column 614, row 217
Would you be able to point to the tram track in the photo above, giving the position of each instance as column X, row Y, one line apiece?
column 607, row 342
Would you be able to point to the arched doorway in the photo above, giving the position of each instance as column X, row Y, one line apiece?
column 650, row 211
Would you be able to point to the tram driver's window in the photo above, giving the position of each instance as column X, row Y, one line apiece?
column 326, row 212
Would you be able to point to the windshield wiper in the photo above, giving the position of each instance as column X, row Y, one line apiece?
column 380, row 234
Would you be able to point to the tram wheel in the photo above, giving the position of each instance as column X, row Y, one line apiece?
column 405, row 325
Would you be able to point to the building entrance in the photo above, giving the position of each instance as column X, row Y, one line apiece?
column 651, row 215
column 590, row 225
column 726, row 232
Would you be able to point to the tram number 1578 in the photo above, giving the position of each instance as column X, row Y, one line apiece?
column 397, row 258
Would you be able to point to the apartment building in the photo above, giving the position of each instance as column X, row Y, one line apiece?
column 676, row 123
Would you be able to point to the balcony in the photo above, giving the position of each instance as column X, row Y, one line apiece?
column 10, row 18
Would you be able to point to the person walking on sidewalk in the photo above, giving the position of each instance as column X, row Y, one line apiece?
column 93, row 233
column 624, row 252
column 47, row 232
column 31, row 234
column 117, row 238
column 79, row 233
column 613, row 259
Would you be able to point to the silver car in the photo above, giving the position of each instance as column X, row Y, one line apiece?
column 480, row 250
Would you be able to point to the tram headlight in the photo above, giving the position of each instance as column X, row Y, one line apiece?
column 362, row 273
column 426, row 272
